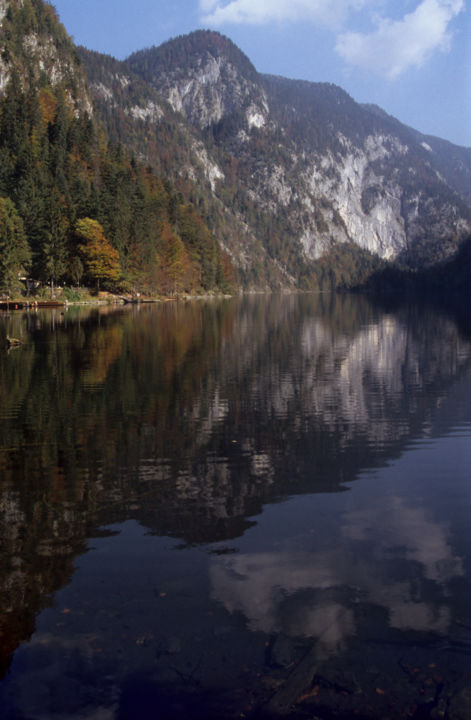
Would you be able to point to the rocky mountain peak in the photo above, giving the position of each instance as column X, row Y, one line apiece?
column 205, row 77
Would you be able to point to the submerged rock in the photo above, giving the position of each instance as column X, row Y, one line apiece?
column 283, row 652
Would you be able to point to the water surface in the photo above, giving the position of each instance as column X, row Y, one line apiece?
column 235, row 508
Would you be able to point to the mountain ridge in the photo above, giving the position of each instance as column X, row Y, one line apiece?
column 390, row 192
column 302, row 186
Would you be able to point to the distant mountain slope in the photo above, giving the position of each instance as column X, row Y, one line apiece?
column 306, row 166
column 452, row 161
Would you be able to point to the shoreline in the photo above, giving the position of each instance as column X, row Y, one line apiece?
column 118, row 300
column 106, row 298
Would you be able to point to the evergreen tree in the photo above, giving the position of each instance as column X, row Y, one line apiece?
column 15, row 255
column 76, row 270
column 54, row 253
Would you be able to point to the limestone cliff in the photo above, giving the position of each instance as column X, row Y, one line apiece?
column 313, row 166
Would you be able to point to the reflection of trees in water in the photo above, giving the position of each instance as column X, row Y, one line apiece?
column 190, row 416
column 77, row 400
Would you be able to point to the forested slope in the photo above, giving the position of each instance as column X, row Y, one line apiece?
column 74, row 206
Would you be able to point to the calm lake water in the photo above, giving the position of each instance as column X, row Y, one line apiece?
column 237, row 508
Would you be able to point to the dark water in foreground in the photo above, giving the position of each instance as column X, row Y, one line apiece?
column 235, row 509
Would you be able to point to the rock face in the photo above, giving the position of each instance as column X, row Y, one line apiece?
column 324, row 169
column 36, row 45
column 217, row 81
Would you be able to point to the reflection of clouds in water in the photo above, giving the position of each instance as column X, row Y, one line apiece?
column 265, row 587
column 332, row 624
column 257, row 584
column 406, row 613
column 394, row 526
column 392, row 550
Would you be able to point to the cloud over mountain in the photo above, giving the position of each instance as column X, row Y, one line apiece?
column 397, row 45
column 391, row 47
column 330, row 13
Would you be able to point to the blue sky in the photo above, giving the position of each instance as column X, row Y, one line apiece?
column 411, row 57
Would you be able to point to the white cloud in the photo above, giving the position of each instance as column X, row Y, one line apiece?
column 328, row 13
column 208, row 5
column 394, row 46
column 397, row 45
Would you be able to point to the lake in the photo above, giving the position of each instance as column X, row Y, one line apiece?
column 249, row 507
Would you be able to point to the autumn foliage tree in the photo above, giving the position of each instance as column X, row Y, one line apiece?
column 176, row 264
column 101, row 259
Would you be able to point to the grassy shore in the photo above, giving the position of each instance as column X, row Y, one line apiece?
column 87, row 296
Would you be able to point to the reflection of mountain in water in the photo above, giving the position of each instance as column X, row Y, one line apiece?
column 190, row 417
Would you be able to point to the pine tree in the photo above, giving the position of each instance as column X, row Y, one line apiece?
column 15, row 255
column 54, row 253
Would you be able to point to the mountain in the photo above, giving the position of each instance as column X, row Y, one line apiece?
column 309, row 180
column 201, row 173
column 452, row 161
column 138, row 116
column 74, row 206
